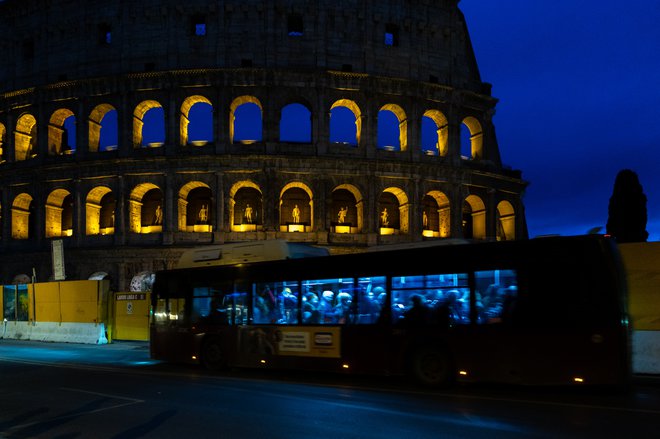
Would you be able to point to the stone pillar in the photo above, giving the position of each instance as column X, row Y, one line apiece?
column 491, row 216
column 82, row 132
column 10, row 139
column 125, row 128
column 120, row 212
column 79, row 220
column 169, row 210
column 220, row 223
column 172, row 115
column 456, row 202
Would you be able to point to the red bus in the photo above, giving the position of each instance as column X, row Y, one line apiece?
column 542, row 312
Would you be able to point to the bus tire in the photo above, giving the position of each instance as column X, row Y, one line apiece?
column 212, row 355
column 432, row 367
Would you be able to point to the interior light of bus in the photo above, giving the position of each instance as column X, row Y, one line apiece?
column 462, row 372
column 578, row 379
column 345, row 366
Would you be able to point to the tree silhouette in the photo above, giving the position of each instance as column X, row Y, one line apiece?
column 627, row 209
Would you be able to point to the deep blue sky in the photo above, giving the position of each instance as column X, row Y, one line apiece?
column 579, row 89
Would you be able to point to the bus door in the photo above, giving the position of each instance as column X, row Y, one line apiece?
column 494, row 349
column 170, row 331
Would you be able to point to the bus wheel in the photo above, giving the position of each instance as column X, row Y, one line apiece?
column 432, row 367
column 212, row 357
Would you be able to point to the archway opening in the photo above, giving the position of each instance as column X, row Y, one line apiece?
column 506, row 221
column 196, row 208
column 471, row 139
column 392, row 128
column 296, row 209
column 196, row 121
column 25, row 138
column 296, row 124
column 247, row 209
column 22, row 217
column 345, row 123
column 248, row 124
column 344, row 210
column 474, row 218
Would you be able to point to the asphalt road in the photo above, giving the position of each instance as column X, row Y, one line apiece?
column 80, row 391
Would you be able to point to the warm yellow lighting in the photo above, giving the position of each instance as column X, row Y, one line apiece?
column 295, row 228
column 428, row 233
column 578, row 379
column 68, row 232
column 202, row 228
column 194, row 357
column 199, row 142
column 345, row 366
column 342, row 229
column 263, row 361
column 155, row 144
column 386, row 231
column 248, row 142
column 462, row 372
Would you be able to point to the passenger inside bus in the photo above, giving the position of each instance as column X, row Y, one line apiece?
column 310, row 309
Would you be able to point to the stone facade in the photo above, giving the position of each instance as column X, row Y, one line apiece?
column 132, row 208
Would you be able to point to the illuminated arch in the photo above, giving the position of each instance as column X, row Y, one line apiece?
column 58, row 135
column 95, row 122
column 353, row 107
column 301, row 219
column 59, row 214
column 138, row 121
column 436, row 215
column 474, row 218
column 354, row 212
column 195, row 212
column 398, row 213
column 21, row 217
column 100, row 211
column 185, row 119
column 506, row 221
column 476, row 137
column 403, row 124
column 441, row 129
column 25, row 138
column 146, row 209
column 241, row 100
column 3, row 134
column 245, row 206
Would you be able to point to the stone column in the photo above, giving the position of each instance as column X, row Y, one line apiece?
column 220, row 223
column 169, row 210
column 78, row 223
column 121, row 222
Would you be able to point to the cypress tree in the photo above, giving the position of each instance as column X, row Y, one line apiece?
column 627, row 209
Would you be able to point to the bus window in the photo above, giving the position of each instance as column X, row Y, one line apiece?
column 372, row 298
column 441, row 298
column 496, row 295
column 327, row 301
column 275, row 303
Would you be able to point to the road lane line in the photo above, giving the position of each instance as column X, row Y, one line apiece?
column 107, row 395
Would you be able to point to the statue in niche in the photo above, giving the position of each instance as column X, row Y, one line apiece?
column 384, row 219
column 158, row 215
column 295, row 213
column 203, row 214
column 247, row 214
column 341, row 216
column 425, row 220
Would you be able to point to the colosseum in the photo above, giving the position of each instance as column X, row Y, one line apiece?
column 130, row 131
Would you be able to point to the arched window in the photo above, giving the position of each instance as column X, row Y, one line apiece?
column 196, row 126
column 103, row 129
column 393, row 211
column 100, row 211
column 62, row 132
column 435, row 133
column 474, row 218
column 506, row 221
column 22, row 217
column 347, row 209
column 25, row 138
column 296, row 124
column 59, row 214
column 392, row 128
column 472, row 138
column 246, row 207
column 296, row 208
column 245, row 120
column 195, row 208
column 148, row 125
column 435, row 215
column 146, row 209
column 345, row 122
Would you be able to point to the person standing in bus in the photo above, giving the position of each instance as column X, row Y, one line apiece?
column 418, row 314
column 326, row 307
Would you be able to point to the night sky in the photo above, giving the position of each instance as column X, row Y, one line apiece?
column 579, row 90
